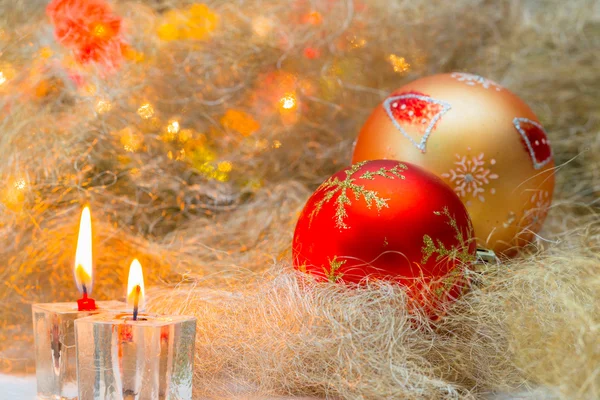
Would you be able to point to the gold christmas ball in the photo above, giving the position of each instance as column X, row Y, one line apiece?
column 481, row 139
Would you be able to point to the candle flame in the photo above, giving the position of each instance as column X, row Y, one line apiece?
column 136, row 278
column 83, row 254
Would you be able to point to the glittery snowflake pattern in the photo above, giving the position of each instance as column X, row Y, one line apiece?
column 539, row 203
column 333, row 274
column 415, row 111
column 431, row 246
column 474, row 80
column 535, row 141
column 470, row 177
column 334, row 186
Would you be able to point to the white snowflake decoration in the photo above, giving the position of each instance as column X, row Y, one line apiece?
column 474, row 80
column 540, row 202
column 471, row 176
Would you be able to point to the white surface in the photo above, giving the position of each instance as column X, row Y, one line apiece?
column 23, row 388
column 17, row 387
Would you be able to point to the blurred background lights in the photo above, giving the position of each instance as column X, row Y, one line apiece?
column 398, row 63
column 262, row 26
column 146, row 111
column 20, row 184
column 173, row 127
column 288, row 101
column 103, row 106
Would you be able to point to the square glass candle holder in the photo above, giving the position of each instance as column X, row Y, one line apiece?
column 55, row 356
column 148, row 359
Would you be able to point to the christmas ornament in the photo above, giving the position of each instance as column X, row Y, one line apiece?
column 386, row 219
column 481, row 139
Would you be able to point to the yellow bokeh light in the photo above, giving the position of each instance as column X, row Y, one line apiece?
column 173, row 127
column 224, row 166
column 357, row 43
column 170, row 132
column 185, row 135
column 288, row 101
column 13, row 195
column 276, row 144
column 167, row 136
column 146, row 111
column 20, row 184
column 196, row 23
column 168, row 31
column 398, row 63
column 131, row 141
column 221, row 177
column 13, row 199
column 202, row 154
column 45, row 52
column 100, row 31
column 255, row 184
column 103, row 106
column 7, row 72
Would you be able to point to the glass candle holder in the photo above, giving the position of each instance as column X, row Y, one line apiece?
column 150, row 358
column 54, row 335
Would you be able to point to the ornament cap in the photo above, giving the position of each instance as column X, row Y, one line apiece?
column 486, row 256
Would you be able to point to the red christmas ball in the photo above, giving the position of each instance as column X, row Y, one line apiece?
column 385, row 219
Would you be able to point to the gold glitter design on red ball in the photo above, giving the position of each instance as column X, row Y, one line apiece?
column 335, row 186
column 334, row 275
column 417, row 110
column 431, row 247
column 444, row 286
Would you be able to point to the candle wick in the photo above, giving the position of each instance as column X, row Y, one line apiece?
column 136, row 301
column 85, row 294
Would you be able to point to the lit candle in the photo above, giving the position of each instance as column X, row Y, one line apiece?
column 83, row 262
column 135, row 288
column 53, row 325
column 135, row 355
